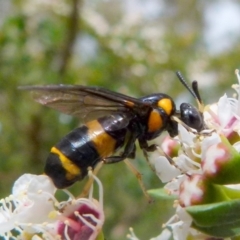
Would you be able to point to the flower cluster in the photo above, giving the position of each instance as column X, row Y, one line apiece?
column 200, row 170
column 33, row 212
column 203, row 175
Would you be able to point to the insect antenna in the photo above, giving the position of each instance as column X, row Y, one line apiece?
column 194, row 90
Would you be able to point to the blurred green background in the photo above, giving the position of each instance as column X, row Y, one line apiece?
column 129, row 46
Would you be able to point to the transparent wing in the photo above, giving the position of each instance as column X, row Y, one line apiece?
column 84, row 102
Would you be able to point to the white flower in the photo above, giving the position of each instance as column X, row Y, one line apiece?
column 165, row 235
column 224, row 116
column 180, row 224
column 28, row 206
column 32, row 210
column 164, row 170
column 196, row 156
column 82, row 218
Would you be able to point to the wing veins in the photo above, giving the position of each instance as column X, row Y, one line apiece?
column 80, row 101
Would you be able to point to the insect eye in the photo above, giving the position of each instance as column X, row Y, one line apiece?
column 191, row 116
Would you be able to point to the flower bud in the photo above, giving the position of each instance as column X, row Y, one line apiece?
column 196, row 189
column 221, row 163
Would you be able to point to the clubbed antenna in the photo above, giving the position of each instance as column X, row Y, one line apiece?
column 194, row 90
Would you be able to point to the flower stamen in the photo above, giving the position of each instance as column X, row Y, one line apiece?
column 84, row 220
column 66, row 230
column 92, row 217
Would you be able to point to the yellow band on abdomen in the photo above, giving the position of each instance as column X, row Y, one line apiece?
column 72, row 169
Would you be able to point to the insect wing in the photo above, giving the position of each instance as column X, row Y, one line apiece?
column 84, row 102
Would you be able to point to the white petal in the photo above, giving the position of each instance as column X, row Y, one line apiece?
column 42, row 183
column 185, row 136
column 180, row 230
column 21, row 184
column 165, row 171
column 165, row 235
column 208, row 142
column 183, row 215
column 173, row 186
column 7, row 226
column 30, row 183
column 225, row 112
column 37, row 212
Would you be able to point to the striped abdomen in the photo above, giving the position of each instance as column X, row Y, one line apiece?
column 84, row 147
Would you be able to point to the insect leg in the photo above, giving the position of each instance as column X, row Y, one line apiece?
column 139, row 178
column 146, row 148
column 129, row 151
column 154, row 147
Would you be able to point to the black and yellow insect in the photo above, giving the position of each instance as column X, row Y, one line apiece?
column 112, row 121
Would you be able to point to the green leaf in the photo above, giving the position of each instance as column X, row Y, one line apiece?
column 218, row 219
column 160, row 193
column 228, row 230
